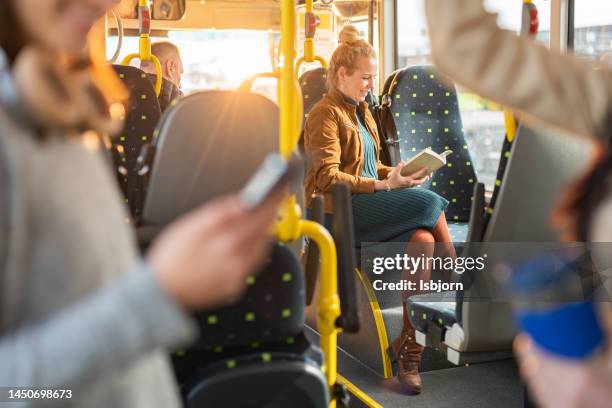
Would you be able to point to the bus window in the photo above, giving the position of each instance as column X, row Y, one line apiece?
column 593, row 28
column 210, row 57
column 483, row 121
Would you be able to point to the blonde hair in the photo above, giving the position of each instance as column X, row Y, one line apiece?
column 349, row 33
column 346, row 55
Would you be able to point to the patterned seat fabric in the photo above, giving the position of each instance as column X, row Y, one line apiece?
column 438, row 308
column 195, row 363
column 267, row 324
column 271, row 311
column 314, row 88
column 142, row 116
column 426, row 114
column 501, row 169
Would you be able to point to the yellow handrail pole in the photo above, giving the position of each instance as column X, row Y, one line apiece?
column 287, row 98
column 510, row 124
column 328, row 302
column 290, row 228
column 309, row 50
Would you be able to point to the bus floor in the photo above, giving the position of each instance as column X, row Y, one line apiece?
column 483, row 385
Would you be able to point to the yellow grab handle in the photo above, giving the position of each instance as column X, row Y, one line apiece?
column 301, row 60
column 158, row 80
column 144, row 43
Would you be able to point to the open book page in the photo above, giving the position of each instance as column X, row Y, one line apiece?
column 426, row 158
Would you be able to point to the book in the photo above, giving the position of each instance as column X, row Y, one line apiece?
column 425, row 158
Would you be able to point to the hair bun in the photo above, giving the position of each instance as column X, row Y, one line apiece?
column 349, row 34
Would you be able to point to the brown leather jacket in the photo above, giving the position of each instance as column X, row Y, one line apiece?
column 334, row 150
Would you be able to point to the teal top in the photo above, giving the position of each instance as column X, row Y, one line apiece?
column 370, row 167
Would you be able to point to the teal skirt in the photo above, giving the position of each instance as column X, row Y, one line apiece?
column 393, row 216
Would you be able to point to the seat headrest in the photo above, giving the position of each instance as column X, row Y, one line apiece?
column 314, row 87
column 208, row 144
column 423, row 88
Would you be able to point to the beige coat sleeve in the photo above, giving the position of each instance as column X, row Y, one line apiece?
column 559, row 90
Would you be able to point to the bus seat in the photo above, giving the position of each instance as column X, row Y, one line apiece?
column 196, row 162
column 209, row 144
column 168, row 93
column 142, row 116
column 314, row 88
column 527, row 197
column 256, row 346
column 426, row 114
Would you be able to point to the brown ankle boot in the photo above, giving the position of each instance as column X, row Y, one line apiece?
column 408, row 355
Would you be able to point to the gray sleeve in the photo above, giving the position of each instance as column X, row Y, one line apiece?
column 96, row 336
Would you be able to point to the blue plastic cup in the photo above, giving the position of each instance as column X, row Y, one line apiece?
column 550, row 306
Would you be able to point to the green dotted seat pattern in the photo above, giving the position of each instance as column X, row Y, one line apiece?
column 272, row 309
column 501, row 169
column 436, row 307
column 426, row 114
column 142, row 115
column 254, row 353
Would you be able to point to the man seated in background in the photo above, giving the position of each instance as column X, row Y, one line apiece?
column 171, row 69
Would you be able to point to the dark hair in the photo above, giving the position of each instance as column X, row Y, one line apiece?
column 12, row 38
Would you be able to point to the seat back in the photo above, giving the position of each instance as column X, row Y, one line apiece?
column 209, row 144
column 426, row 114
column 142, row 115
column 272, row 309
column 540, row 167
column 167, row 94
column 314, row 87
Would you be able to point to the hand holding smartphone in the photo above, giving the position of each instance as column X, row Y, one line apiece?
column 272, row 175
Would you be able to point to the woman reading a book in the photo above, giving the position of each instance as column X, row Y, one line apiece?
column 342, row 145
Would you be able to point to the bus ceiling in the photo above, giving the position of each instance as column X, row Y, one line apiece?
column 219, row 14
column 238, row 14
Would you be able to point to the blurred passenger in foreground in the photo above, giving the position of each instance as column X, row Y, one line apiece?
column 79, row 309
column 546, row 88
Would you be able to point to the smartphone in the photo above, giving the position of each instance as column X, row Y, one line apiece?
column 274, row 173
